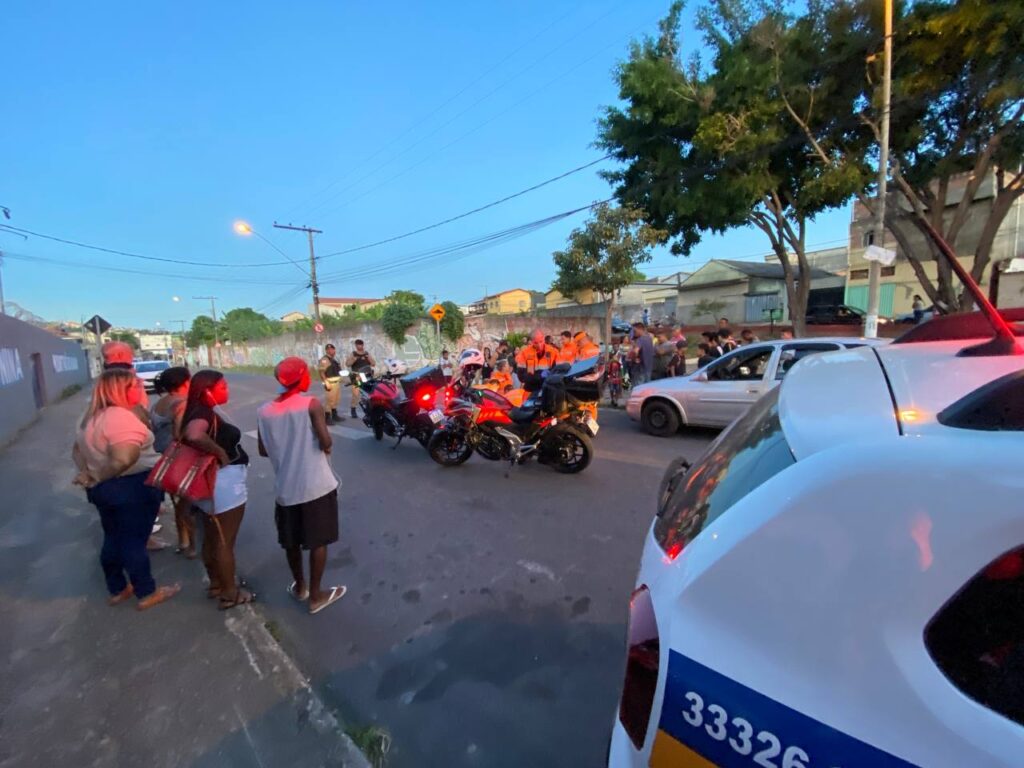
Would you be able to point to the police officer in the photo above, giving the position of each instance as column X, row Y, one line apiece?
column 360, row 361
column 330, row 375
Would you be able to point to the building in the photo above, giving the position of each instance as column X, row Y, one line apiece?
column 338, row 306
column 510, row 302
column 292, row 317
column 900, row 282
column 156, row 345
column 747, row 292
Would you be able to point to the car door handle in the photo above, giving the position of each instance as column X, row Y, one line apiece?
column 753, row 391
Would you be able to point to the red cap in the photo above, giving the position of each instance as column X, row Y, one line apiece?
column 289, row 371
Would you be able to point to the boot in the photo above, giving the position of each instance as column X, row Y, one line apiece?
column 337, row 419
column 354, row 414
column 327, row 418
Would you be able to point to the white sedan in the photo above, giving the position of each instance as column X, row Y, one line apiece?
column 720, row 392
column 148, row 370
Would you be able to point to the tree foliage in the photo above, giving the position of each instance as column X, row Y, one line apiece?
column 711, row 149
column 127, row 337
column 454, row 322
column 603, row 254
column 409, row 298
column 397, row 318
column 711, row 308
column 203, row 331
column 245, row 324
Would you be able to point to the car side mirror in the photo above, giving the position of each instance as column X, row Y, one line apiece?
column 702, row 376
column 788, row 356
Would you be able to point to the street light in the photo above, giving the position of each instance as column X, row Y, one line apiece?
column 243, row 228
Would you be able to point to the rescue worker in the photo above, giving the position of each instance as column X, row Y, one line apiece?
column 502, row 376
column 568, row 353
column 360, row 361
column 585, row 346
column 330, row 375
column 536, row 356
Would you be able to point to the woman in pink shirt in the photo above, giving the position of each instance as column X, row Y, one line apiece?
column 114, row 453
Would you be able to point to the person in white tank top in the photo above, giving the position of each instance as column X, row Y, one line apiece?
column 293, row 435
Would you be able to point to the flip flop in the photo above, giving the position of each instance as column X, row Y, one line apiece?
column 336, row 594
column 242, row 597
column 121, row 596
column 300, row 596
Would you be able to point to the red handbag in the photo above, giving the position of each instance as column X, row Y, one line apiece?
column 184, row 471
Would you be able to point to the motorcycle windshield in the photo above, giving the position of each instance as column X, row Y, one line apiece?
column 586, row 370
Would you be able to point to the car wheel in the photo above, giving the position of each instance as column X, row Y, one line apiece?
column 660, row 419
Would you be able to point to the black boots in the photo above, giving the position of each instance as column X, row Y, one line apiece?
column 336, row 417
column 354, row 414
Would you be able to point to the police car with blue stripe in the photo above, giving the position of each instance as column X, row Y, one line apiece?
column 838, row 582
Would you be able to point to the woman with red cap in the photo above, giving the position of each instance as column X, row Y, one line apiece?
column 293, row 435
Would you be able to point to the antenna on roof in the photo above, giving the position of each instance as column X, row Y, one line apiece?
column 1004, row 342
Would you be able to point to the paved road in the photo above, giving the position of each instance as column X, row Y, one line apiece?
column 485, row 617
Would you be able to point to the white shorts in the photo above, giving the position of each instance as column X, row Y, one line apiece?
column 229, row 492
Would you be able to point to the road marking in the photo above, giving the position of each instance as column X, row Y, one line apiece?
column 537, row 568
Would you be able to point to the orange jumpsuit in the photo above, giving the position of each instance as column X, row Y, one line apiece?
column 534, row 361
column 568, row 353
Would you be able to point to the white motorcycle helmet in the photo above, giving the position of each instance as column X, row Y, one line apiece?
column 470, row 357
column 396, row 367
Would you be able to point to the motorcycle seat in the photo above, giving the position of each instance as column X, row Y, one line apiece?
column 522, row 415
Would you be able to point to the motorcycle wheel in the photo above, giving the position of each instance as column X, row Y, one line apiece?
column 568, row 450
column 449, row 448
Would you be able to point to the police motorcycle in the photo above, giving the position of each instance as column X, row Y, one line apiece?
column 398, row 403
column 554, row 424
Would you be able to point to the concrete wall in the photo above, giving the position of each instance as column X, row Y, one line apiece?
column 421, row 344
column 35, row 368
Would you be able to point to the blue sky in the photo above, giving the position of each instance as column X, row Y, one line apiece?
column 152, row 127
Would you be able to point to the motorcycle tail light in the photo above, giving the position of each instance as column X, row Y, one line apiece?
column 642, row 660
column 426, row 397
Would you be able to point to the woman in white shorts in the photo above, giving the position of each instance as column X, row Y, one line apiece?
column 206, row 430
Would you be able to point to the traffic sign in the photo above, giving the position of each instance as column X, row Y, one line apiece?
column 319, row 328
column 97, row 325
column 437, row 312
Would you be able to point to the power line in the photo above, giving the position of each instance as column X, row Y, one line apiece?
column 116, row 252
column 468, row 213
column 147, row 273
column 465, row 135
column 433, row 112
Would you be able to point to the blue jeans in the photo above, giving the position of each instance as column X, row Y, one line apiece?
column 127, row 508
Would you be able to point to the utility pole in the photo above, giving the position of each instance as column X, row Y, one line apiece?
column 184, row 346
column 312, row 263
column 3, row 305
column 875, row 268
column 216, row 334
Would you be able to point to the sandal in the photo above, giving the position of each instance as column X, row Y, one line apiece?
column 300, row 596
column 336, row 594
column 242, row 597
column 121, row 596
column 161, row 595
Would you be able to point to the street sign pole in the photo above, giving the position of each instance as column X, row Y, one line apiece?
column 437, row 312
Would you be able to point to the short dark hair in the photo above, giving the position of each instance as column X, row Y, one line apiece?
column 567, row 334
column 724, row 333
column 638, row 324
column 171, row 379
column 726, row 319
column 704, row 347
column 746, row 332
column 358, row 342
column 709, row 334
column 681, row 344
column 444, row 352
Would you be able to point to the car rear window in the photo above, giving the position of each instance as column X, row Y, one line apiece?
column 150, row 367
column 743, row 457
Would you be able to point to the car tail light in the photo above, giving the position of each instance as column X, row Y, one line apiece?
column 642, row 661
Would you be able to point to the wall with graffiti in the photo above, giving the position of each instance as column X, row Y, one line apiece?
column 421, row 344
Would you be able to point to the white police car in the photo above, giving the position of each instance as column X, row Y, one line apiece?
column 838, row 582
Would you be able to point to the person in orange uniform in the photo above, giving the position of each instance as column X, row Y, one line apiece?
column 585, row 346
column 567, row 354
column 536, row 356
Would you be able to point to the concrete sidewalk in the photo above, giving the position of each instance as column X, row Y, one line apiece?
column 84, row 684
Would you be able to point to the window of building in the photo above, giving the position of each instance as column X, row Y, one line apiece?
column 858, row 274
column 888, row 271
column 868, row 238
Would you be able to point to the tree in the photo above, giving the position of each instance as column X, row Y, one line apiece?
column 603, row 255
column 956, row 119
column 203, row 331
column 398, row 317
column 708, row 151
column 127, row 337
column 245, row 324
column 454, row 323
column 409, row 298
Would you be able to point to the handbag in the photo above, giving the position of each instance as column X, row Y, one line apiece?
column 184, row 471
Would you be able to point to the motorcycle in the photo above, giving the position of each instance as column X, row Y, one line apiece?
column 402, row 406
column 554, row 425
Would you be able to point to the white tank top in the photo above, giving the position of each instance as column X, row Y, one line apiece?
column 302, row 472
